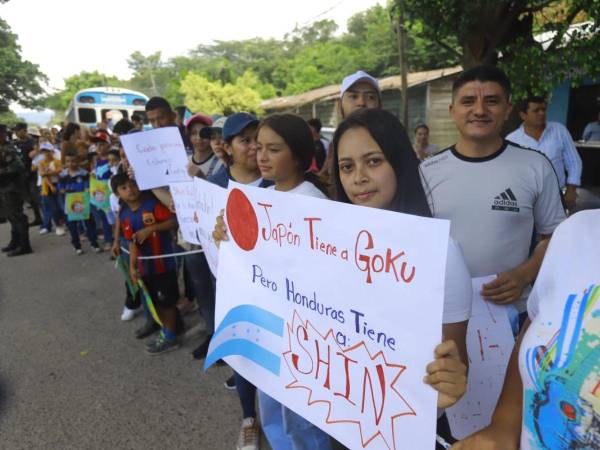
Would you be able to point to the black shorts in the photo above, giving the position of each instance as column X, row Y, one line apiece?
column 163, row 288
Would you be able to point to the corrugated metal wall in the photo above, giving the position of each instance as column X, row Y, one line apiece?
column 427, row 103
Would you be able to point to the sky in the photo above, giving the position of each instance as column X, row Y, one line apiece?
column 65, row 37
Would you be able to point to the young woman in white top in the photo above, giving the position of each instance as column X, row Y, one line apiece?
column 374, row 166
column 285, row 151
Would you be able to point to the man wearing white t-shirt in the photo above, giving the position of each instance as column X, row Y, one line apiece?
column 493, row 192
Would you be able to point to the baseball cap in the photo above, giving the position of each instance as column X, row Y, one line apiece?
column 101, row 136
column 218, row 125
column 356, row 77
column 46, row 146
column 236, row 123
column 198, row 118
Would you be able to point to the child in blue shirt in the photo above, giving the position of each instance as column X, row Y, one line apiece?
column 75, row 179
column 101, row 171
column 147, row 225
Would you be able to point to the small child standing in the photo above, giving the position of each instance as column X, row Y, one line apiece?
column 48, row 169
column 132, row 299
column 147, row 224
column 101, row 171
column 74, row 179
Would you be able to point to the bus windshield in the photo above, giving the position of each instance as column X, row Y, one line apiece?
column 104, row 106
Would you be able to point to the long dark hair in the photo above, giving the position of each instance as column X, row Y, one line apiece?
column 69, row 130
column 296, row 133
column 391, row 137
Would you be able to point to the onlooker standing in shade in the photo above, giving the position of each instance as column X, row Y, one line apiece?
column 554, row 141
column 592, row 130
column 423, row 148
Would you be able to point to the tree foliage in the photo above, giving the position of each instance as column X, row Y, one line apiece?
column 504, row 32
column 214, row 97
column 84, row 80
column 20, row 81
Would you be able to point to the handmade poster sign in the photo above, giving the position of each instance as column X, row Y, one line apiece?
column 77, row 205
column 158, row 157
column 197, row 204
column 334, row 310
column 100, row 194
column 489, row 344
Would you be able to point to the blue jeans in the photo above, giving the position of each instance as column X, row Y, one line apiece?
column 51, row 210
column 90, row 231
column 100, row 216
column 203, row 285
column 286, row 430
column 247, row 394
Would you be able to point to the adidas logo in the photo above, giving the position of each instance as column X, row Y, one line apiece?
column 506, row 201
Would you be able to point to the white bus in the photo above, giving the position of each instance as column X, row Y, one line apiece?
column 91, row 106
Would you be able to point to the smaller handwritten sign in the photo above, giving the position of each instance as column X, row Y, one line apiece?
column 197, row 204
column 158, row 157
column 99, row 194
column 77, row 205
column 489, row 344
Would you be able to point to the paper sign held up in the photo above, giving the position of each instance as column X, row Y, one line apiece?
column 158, row 157
column 489, row 343
column 334, row 311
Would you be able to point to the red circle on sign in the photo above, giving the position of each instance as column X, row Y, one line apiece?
column 242, row 221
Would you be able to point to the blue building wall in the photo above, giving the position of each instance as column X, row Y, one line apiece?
column 558, row 108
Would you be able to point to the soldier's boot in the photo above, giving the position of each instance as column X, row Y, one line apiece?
column 22, row 229
column 13, row 244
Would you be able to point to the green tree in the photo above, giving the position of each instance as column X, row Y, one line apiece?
column 9, row 118
column 59, row 101
column 150, row 75
column 503, row 32
column 214, row 97
column 20, row 81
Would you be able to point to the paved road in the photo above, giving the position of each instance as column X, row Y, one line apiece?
column 72, row 376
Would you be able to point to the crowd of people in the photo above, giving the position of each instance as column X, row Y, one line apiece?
column 504, row 201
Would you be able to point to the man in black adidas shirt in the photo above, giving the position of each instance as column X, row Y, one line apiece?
column 493, row 192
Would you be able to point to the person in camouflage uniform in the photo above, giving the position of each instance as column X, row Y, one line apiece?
column 25, row 143
column 12, row 194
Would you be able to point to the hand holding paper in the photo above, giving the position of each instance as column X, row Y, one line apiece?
column 447, row 374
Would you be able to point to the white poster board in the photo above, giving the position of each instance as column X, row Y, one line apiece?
column 490, row 342
column 334, row 310
column 197, row 204
column 157, row 156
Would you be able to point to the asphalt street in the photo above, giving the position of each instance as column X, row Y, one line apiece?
column 72, row 375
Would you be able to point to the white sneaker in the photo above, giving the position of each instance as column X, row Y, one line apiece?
column 249, row 435
column 44, row 231
column 96, row 249
column 128, row 314
column 60, row 231
column 78, row 251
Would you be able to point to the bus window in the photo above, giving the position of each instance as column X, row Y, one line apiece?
column 87, row 115
column 115, row 114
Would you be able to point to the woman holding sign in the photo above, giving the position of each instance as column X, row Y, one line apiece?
column 374, row 166
column 285, row 151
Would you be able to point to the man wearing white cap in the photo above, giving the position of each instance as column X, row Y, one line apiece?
column 359, row 90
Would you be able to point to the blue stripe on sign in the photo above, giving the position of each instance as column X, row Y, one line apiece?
column 253, row 314
column 247, row 349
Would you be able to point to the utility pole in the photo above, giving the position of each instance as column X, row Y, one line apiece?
column 403, row 61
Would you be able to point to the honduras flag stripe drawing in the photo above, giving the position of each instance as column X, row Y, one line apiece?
column 251, row 332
